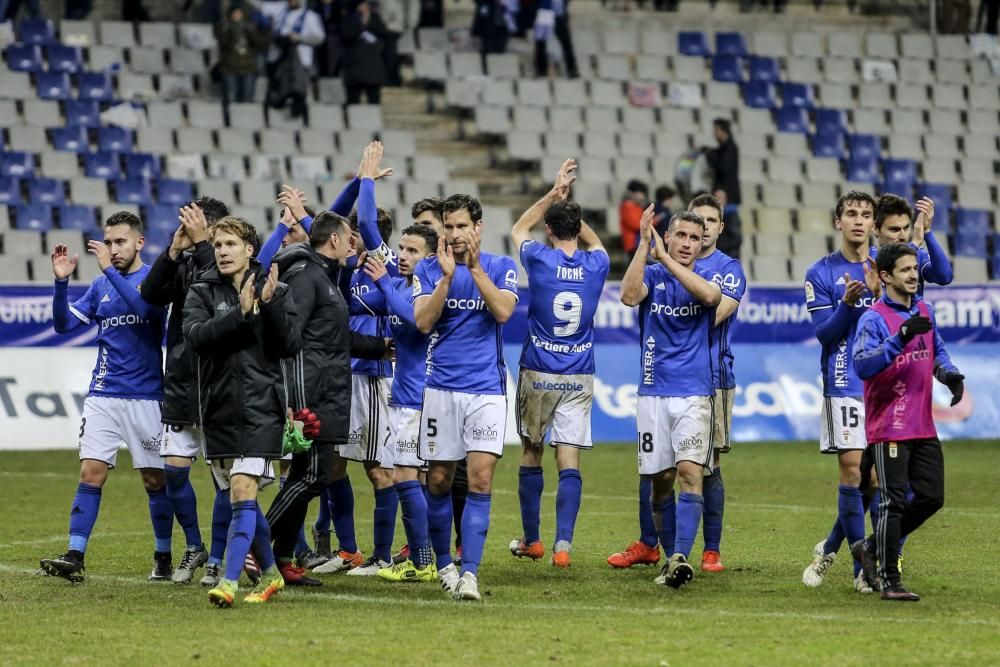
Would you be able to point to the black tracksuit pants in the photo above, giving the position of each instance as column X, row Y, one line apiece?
column 919, row 465
column 310, row 473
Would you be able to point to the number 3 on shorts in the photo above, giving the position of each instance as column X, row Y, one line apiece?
column 646, row 442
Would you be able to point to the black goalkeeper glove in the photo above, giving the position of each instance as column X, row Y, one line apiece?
column 955, row 382
column 913, row 327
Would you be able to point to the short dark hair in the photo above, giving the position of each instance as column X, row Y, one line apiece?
column 384, row 223
column 664, row 192
column 125, row 218
column 214, row 209
column 564, row 218
column 325, row 225
column 853, row 196
column 426, row 232
column 459, row 202
column 432, row 204
column 890, row 204
column 706, row 200
column 635, row 185
column 723, row 125
column 888, row 254
column 686, row 216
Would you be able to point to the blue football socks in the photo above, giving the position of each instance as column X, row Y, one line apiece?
column 185, row 504
column 161, row 512
column 530, row 483
column 439, row 527
column 262, row 549
column 413, row 506
column 647, row 528
column 689, row 509
column 323, row 519
column 475, row 525
column 83, row 516
column 851, row 514
column 664, row 516
column 714, row 491
column 568, row 497
column 242, row 529
column 341, row 496
column 222, row 515
column 386, row 502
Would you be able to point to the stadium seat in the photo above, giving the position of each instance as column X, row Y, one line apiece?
column 764, row 69
column 70, row 139
column 828, row 143
column 55, row 164
column 798, row 95
column 173, row 191
column 52, row 85
column 726, row 68
column 133, row 191
column 24, row 58
column 759, row 95
column 906, row 146
column 82, row 113
column 900, row 170
column 34, row 216
column 941, row 194
column 862, row 169
column 804, row 70
column 157, row 240
column 143, row 165
column 864, row 146
column 116, row 139
column 840, row 70
column 46, row 191
column 96, row 86
column 37, row 31
column 730, row 44
column 162, row 216
column 10, row 191
column 102, row 164
column 690, row 43
column 972, row 220
column 792, row 119
column 63, row 58
column 77, row 216
column 18, row 164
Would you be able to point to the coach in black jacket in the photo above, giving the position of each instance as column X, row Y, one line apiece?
column 319, row 376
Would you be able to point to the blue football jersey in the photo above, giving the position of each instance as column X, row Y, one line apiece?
column 675, row 330
column 565, row 293
column 411, row 354
column 465, row 351
column 129, row 344
column 824, row 289
column 368, row 310
column 728, row 274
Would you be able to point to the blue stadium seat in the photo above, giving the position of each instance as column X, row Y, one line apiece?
column 900, row 170
column 792, row 119
column 863, row 169
column 158, row 240
column 691, row 43
column 143, row 165
column 162, row 216
column 64, row 58
column 34, row 216
column 117, row 139
column 902, row 187
column 941, row 194
column 764, row 69
column 96, row 86
column 133, row 191
column 83, row 113
column 19, row 164
column 172, row 191
column 972, row 219
column 46, row 191
column 78, row 216
column 995, row 259
column 727, row 69
column 798, row 95
column 70, row 139
column 864, row 146
column 759, row 95
column 829, row 144
column 10, row 191
column 972, row 226
column 730, row 44
column 24, row 58
column 102, row 164
column 37, row 31
column 52, row 85
column 831, row 120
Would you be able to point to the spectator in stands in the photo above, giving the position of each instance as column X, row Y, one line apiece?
column 661, row 208
column 492, row 24
column 725, row 163
column 330, row 53
column 634, row 202
column 364, row 34
column 296, row 31
column 553, row 18
column 240, row 41
column 988, row 15
column 400, row 17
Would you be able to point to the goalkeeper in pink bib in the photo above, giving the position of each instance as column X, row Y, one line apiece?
column 898, row 353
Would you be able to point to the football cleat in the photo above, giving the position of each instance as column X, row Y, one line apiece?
column 899, row 593
column 163, row 568
column 679, row 571
column 813, row 575
column 711, row 561
column 369, row 568
column 402, row 554
column 251, row 569
column 521, row 549
column 268, row 587
column 407, row 571
column 449, row 578
column 560, row 559
column 861, row 552
column 223, row 594
column 636, row 553
column 341, row 562
column 321, row 543
column 861, row 586
column 213, row 574
column 467, row 588
column 68, row 566
column 309, row 559
column 192, row 560
column 296, row 576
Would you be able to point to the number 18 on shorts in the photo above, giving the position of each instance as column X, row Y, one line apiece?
column 673, row 429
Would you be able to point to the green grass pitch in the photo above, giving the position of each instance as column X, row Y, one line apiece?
column 781, row 501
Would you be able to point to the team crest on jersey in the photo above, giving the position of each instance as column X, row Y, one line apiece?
column 810, row 292
column 416, row 286
column 511, row 278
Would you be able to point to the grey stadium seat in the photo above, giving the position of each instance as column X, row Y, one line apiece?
column 77, row 33
column 146, row 60
column 43, row 113
column 117, row 33
column 156, row 140
column 364, row 117
column 315, row 141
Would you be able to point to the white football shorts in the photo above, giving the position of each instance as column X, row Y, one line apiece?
column 722, row 420
column 843, row 424
column 368, row 439
column 405, row 425
column 455, row 423
column 674, row 429
column 224, row 469
column 185, row 441
column 554, row 405
column 108, row 423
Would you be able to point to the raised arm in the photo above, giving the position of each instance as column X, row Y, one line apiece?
column 205, row 330
column 589, row 240
column 427, row 308
column 500, row 302
column 129, row 294
column 66, row 318
column 397, row 302
column 536, row 213
column 633, row 287
column 934, row 264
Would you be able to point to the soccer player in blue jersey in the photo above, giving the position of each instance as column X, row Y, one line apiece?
column 894, row 223
column 677, row 303
column 839, row 288
column 462, row 297
column 123, row 405
column 555, row 386
column 417, row 242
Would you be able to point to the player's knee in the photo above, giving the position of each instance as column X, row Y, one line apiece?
column 93, row 474
column 153, row 479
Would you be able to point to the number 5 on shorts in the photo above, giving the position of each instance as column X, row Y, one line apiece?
column 432, row 429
